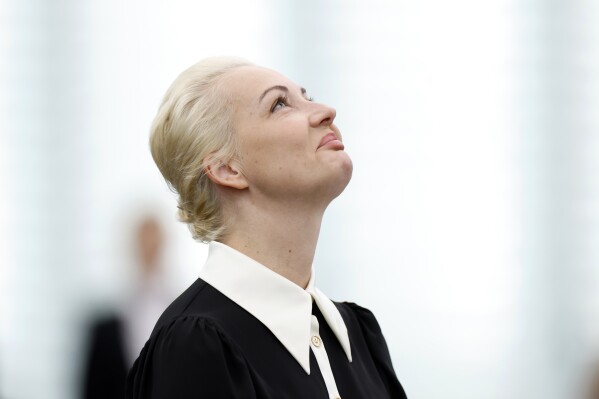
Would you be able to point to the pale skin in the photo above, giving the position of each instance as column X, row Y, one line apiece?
column 291, row 164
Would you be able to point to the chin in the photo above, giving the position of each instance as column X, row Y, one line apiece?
column 341, row 176
column 348, row 167
column 344, row 165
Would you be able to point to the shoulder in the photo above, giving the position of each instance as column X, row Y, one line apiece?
column 199, row 301
column 357, row 315
column 354, row 308
column 363, row 327
column 184, row 356
column 189, row 351
column 185, row 332
column 183, row 305
column 365, row 334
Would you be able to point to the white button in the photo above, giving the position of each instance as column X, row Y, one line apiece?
column 316, row 340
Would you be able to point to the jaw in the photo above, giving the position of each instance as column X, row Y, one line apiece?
column 310, row 187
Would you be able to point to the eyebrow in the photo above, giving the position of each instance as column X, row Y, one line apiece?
column 277, row 87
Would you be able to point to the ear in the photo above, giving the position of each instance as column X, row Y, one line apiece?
column 226, row 175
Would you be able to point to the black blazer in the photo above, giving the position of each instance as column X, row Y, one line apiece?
column 206, row 346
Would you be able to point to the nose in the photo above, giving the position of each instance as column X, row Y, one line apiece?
column 323, row 115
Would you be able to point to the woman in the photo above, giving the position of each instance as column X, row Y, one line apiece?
column 255, row 163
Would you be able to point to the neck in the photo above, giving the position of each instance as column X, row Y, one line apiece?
column 281, row 237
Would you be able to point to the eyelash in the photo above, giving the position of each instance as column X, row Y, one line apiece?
column 285, row 101
column 280, row 99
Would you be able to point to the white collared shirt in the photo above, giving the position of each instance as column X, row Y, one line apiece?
column 281, row 305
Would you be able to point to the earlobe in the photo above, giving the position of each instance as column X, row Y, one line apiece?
column 226, row 175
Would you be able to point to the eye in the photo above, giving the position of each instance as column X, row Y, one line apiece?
column 279, row 103
column 306, row 96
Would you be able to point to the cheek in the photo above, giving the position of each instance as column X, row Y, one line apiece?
column 277, row 154
column 276, row 162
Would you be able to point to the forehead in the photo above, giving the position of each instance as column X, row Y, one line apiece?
column 247, row 83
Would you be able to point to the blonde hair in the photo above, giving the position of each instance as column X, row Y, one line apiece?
column 194, row 121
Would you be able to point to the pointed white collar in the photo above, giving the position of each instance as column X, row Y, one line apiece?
column 282, row 306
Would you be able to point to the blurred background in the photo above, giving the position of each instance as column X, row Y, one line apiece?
column 470, row 227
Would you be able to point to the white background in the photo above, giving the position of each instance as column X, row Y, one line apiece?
column 471, row 225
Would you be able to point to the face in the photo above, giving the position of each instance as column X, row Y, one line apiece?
column 149, row 240
column 289, row 147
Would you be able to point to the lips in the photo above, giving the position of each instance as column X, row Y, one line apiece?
column 330, row 140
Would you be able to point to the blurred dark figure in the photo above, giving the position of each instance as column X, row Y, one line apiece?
column 594, row 387
column 106, row 367
column 116, row 340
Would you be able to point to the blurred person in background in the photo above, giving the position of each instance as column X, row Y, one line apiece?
column 255, row 163
column 116, row 340
column 593, row 389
